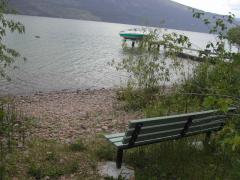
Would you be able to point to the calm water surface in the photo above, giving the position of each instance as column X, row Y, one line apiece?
column 71, row 54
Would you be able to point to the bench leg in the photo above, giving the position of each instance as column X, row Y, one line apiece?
column 207, row 138
column 119, row 158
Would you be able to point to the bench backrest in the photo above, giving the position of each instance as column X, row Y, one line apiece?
column 152, row 130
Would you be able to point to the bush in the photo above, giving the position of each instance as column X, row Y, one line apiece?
column 233, row 36
column 178, row 159
column 105, row 151
column 36, row 171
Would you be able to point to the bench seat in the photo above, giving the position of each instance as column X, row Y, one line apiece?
column 116, row 139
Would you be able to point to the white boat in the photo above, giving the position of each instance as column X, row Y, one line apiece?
column 133, row 34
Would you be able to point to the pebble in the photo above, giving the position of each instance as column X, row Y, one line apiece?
column 83, row 127
column 105, row 128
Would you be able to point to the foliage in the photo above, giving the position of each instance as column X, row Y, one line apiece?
column 179, row 159
column 174, row 103
column 105, row 151
column 148, row 70
column 14, row 129
column 219, row 84
column 7, row 55
column 233, row 36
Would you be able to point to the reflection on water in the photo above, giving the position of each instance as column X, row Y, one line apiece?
column 71, row 54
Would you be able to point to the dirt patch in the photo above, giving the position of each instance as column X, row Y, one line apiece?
column 66, row 116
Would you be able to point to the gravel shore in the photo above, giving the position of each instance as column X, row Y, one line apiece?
column 66, row 116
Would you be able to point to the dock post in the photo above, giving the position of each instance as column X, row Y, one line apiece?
column 149, row 46
column 133, row 44
column 124, row 42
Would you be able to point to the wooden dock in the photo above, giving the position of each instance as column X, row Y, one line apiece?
column 187, row 53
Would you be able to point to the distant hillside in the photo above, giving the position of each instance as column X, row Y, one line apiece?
column 138, row 12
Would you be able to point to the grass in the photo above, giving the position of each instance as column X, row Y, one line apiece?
column 180, row 159
column 42, row 158
column 77, row 146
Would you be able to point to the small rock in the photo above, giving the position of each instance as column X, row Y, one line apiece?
column 198, row 145
column 83, row 127
column 98, row 130
column 68, row 141
column 109, row 169
column 105, row 128
column 46, row 178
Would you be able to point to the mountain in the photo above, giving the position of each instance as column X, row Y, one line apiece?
column 137, row 12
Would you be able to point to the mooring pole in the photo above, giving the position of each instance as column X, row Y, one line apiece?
column 149, row 46
column 133, row 44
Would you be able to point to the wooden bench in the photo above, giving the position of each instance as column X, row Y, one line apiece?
column 153, row 130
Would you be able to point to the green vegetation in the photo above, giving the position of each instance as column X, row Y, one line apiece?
column 77, row 146
column 49, row 159
column 233, row 36
column 13, row 134
column 7, row 55
column 13, row 125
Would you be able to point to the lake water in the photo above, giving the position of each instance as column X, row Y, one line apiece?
column 71, row 54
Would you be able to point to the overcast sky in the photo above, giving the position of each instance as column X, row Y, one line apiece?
column 215, row 6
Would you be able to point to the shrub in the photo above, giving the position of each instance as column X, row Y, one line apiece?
column 105, row 151
column 36, row 171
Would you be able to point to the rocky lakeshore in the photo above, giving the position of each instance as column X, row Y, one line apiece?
column 66, row 116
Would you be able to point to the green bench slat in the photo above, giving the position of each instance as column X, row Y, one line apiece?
column 120, row 144
column 202, row 127
column 191, row 133
column 218, row 121
column 175, row 125
column 150, row 141
column 172, row 132
column 161, row 134
column 110, row 136
column 117, row 139
column 172, row 119
column 157, row 128
column 173, row 137
column 209, row 119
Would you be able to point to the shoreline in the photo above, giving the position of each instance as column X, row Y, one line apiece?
column 33, row 93
column 69, row 115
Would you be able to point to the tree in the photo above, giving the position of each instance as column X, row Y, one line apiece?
column 233, row 36
column 7, row 55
